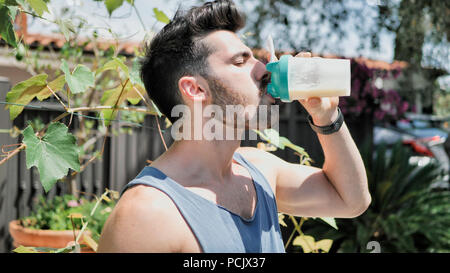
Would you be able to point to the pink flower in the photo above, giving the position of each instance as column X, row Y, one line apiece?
column 379, row 114
column 356, row 85
column 405, row 106
column 72, row 203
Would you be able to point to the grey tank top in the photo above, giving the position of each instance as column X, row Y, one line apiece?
column 216, row 228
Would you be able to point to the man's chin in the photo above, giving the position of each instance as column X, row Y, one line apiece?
column 266, row 99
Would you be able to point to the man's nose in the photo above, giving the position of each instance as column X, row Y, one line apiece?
column 261, row 72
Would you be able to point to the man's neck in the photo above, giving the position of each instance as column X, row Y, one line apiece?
column 202, row 161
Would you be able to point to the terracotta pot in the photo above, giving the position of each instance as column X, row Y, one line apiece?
column 43, row 238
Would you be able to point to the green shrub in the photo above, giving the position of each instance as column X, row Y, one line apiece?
column 406, row 214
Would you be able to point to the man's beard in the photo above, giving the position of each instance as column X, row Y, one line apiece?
column 223, row 96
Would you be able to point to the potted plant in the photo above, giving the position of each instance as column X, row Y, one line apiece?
column 63, row 224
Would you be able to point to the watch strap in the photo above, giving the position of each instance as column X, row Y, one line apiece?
column 329, row 129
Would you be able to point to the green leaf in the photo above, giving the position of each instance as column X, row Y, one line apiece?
column 118, row 95
column 324, row 244
column 161, row 16
column 329, row 220
column 309, row 244
column 6, row 27
column 281, row 219
column 38, row 6
column 133, row 95
column 23, row 93
column 53, row 154
column 26, row 91
column 80, row 79
column 112, row 5
column 115, row 96
column 113, row 64
column 56, row 85
column 13, row 11
column 306, row 242
column 66, row 27
column 135, row 77
column 25, row 249
column 272, row 136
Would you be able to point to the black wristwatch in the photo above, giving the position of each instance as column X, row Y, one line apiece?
column 329, row 129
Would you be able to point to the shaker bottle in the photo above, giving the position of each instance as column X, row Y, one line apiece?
column 294, row 78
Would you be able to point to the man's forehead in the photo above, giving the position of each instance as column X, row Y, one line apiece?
column 225, row 43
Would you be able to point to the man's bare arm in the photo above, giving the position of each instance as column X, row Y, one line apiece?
column 345, row 169
column 307, row 191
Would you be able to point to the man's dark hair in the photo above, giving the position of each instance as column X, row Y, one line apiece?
column 178, row 50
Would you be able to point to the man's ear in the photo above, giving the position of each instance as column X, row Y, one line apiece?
column 192, row 88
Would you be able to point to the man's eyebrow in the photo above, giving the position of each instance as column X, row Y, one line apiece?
column 243, row 53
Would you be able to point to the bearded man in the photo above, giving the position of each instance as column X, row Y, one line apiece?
column 211, row 195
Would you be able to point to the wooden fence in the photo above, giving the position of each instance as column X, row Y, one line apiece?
column 124, row 156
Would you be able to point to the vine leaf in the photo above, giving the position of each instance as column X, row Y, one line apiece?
column 134, row 73
column 115, row 96
column 53, row 154
column 329, row 220
column 118, row 95
column 24, row 92
column 25, row 249
column 56, row 85
column 161, row 16
column 38, row 6
column 112, row 5
column 281, row 219
column 132, row 92
column 309, row 244
column 80, row 79
column 66, row 26
column 6, row 27
column 273, row 137
column 113, row 64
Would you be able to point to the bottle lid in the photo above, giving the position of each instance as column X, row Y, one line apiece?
column 278, row 88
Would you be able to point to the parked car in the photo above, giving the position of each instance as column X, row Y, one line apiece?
column 426, row 136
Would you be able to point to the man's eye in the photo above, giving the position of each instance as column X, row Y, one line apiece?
column 239, row 62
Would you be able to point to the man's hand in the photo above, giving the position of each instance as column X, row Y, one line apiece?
column 322, row 110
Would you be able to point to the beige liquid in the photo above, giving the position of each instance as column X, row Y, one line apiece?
column 318, row 77
column 303, row 94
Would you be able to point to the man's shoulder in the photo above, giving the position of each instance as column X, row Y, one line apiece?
column 145, row 219
column 267, row 163
column 141, row 198
column 258, row 156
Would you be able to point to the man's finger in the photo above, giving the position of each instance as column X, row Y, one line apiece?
column 304, row 54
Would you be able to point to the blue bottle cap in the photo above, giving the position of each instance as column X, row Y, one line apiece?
column 278, row 88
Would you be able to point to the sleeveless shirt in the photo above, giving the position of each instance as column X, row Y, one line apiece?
column 216, row 228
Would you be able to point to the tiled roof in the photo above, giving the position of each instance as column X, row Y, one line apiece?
column 56, row 41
